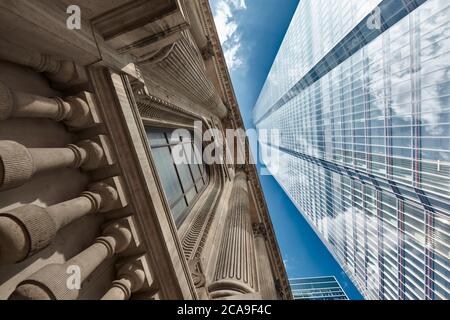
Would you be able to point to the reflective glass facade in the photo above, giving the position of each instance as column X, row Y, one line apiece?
column 319, row 288
column 365, row 145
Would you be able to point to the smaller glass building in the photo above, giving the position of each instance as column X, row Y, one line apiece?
column 320, row 288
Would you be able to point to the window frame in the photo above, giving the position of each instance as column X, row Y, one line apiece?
column 194, row 184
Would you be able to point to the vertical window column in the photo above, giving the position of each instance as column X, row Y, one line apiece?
column 380, row 242
column 401, row 249
column 387, row 104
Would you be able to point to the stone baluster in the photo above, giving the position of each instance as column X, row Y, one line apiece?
column 56, row 282
column 26, row 230
column 57, row 71
column 74, row 111
column 19, row 163
column 131, row 279
column 236, row 267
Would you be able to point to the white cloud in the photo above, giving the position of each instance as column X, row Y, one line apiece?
column 232, row 57
column 228, row 29
column 287, row 262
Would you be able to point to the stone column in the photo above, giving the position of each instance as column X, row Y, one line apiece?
column 74, row 111
column 131, row 278
column 195, row 22
column 19, row 163
column 236, row 267
column 26, row 230
column 267, row 285
column 181, row 65
column 52, row 281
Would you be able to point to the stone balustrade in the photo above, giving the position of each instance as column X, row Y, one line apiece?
column 19, row 163
column 131, row 278
column 53, row 282
column 73, row 111
column 63, row 73
column 26, row 230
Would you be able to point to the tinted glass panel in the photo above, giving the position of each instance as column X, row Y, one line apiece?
column 167, row 173
column 181, row 175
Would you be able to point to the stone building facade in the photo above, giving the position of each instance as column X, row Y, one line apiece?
column 91, row 206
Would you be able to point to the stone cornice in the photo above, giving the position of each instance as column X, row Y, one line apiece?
column 237, row 122
column 153, row 107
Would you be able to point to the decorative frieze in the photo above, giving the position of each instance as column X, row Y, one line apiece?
column 153, row 109
column 194, row 239
column 51, row 282
column 197, row 273
column 19, row 163
column 26, row 230
column 259, row 230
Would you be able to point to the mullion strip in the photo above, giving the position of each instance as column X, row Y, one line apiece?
column 176, row 169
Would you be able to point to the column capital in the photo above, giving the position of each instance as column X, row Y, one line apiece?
column 259, row 229
column 198, row 276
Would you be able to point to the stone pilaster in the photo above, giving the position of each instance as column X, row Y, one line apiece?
column 236, row 267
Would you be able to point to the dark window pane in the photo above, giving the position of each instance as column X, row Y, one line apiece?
column 178, row 135
column 190, row 195
column 178, row 209
column 185, row 176
column 178, row 168
column 167, row 173
column 198, row 155
column 200, row 184
column 156, row 138
column 194, row 166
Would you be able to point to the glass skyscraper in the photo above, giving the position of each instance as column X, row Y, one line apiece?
column 360, row 91
column 318, row 288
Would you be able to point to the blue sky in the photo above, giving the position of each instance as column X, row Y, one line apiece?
column 251, row 32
